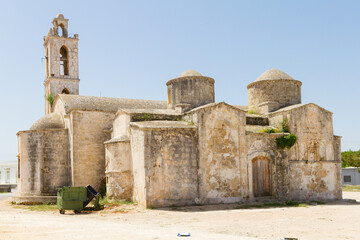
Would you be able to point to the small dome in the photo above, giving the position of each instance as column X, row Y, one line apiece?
column 52, row 120
column 190, row 73
column 274, row 74
column 60, row 16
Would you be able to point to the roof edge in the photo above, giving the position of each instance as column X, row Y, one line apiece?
column 296, row 106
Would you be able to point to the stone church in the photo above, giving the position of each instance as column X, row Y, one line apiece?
column 187, row 150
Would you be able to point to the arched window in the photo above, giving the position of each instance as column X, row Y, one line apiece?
column 64, row 70
column 65, row 91
column 62, row 31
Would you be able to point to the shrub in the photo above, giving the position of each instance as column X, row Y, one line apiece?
column 350, row 158
column 102, row 187
column 286, row 141
column 251, row 111
column 144, row 117
column 270, row 130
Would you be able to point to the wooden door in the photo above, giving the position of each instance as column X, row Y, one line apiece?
column 261, row 176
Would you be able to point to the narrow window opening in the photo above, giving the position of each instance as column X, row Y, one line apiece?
column 47, row 62
column 61, row 30
column 7, row 178
column 64, row 70
column 65, row 91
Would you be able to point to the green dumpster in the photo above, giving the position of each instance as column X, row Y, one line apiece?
column 71, row 198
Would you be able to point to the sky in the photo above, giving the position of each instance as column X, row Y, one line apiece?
column 130, row 49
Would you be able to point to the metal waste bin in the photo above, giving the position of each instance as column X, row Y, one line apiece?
column 92, row 193
column 71, row 198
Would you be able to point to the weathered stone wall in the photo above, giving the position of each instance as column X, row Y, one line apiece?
column 264, row 145
column 270, row 95
column 121, row 126
column 223, row 176
column 314, row 162
column 313, row 128
column 138, row 166
column 44, row 162
column 118, row 169
column 315, row 180
column 193, row 90
column 89, row 132
column 164, row 164
column 58, row 106
column 52, row 46
column 171, row 167
column 57, row 85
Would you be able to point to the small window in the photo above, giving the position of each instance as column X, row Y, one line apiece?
column 7, row 178
column 65, row 91
column 347, row 179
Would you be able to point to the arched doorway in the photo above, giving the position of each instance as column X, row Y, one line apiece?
column 261, row 176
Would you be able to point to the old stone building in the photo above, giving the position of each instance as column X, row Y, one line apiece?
column 189, row 149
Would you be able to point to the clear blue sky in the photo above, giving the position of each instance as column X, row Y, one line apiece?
column 129, row 49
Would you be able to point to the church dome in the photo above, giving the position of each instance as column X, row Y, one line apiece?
column 60, row 16
column 274, row 74
column 49, row 121
column 190, row 73
column 273, row 90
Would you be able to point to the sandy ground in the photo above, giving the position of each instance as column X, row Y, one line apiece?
column 339, row 220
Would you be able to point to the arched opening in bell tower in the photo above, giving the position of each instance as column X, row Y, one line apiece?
column 65, row 91
column 64, row 70
column 61, row 30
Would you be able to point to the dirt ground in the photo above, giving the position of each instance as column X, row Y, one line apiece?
column 338, row 220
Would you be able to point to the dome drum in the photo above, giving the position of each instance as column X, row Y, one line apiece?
column 190, row 91
column 273, row 90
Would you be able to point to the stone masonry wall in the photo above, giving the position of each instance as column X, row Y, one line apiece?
column 118, row 171
column 264, row 145
column 314, row 164
column 223, row 176
column 121, row 125
column 52, row 50
column 193, row 90
column 138, row 166
column 315, row 180
column 268, row 96
column 44, row 162
column 89, row 132
column 171, row 167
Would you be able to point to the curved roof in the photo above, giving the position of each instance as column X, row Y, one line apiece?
column 106, row 104
column 60, row 16
column 190, row 73
column 274, row 74
column 49, row 121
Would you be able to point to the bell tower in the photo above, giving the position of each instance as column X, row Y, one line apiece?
column 61, row 62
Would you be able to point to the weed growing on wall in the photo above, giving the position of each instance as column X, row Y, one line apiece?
column 286, row 141
column 285, row 125
column 251, row 111
column 50, row 98
column 144, row 117
column 269, row 130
